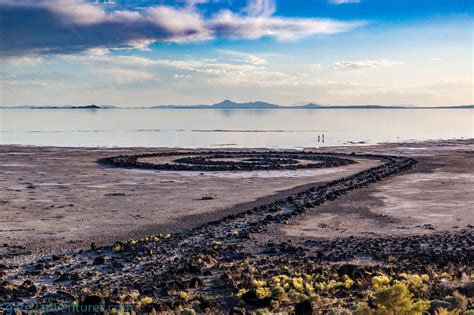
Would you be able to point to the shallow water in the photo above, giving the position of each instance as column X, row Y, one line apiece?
column 230, row 128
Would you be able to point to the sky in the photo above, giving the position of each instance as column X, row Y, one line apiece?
column 134, row 53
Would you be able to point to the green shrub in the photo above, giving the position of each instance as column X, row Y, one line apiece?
column 397, row 299
column 339, row 311
column 457, row 301
column 439, row 304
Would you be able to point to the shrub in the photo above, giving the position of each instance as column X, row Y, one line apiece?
column 457, row 301
column 188, row 311
column 439, row 304
column 183, row 295
column 363, row 309
column 441, row 311
column 146, row 300
column 278, row 293
column 398, row 300
column 415, row 283
column 262, row 292
column 339, row 311
column 348, row 282
column 381, row 281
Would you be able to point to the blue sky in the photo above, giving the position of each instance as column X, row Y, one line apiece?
column 149, row 52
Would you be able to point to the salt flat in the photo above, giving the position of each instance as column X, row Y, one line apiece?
column 65, row 199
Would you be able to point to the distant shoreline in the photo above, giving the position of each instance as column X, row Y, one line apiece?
column 230, row 105
column 184, row 107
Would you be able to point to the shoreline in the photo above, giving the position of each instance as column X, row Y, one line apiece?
column 232, row 147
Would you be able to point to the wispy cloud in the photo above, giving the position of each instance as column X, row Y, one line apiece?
column 244, row 57
column 261, row 8
column 178, row 76
column 22, row 60
column 363, row 64
column 32, row 28
column 215, row 72
column 125, row 76
column 232, row 25
column 343, row 1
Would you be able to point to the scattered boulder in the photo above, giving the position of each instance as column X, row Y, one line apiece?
column 99, row 260
column 196, row 283
column 304, row 308
column 207, row 198
column 251, row 298
column 468, row 289
column 92, row 304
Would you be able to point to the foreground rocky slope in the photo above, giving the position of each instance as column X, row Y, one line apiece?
column 234, row 265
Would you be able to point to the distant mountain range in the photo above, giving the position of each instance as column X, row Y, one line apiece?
column 60, row 107
column 227, row 104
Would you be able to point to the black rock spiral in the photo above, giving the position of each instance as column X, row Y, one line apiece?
column 230, row 161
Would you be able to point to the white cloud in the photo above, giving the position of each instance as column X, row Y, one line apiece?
column 343, row 1
column 248, row 71
column 193, row 3
column 363, row 64
column 244, row 57
column 187, row 25
column 232, row 25
column 73, row 12
column 125, row 76
column 242, row 71
column 449, row 84
column 97, row 51
column 260, row 7
column 75, row 26
column 22, row 60
column 177, row 76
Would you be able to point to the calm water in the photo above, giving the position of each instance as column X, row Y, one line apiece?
column 221, row 128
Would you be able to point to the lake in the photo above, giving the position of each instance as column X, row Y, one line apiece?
column 283, row 128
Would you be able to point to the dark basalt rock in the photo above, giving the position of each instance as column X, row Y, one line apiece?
column 468, row 289
column 100, row 260
column 205, row 304
column 7, row 288
column 149, row 308
column 26, row 289
column 304, row 308
column 207, row 198
column 249, row 161
column 237, row 311
column 176, row 285
column 92, row 304
column 196, row 283
column 73, row 276
column 251, row 298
